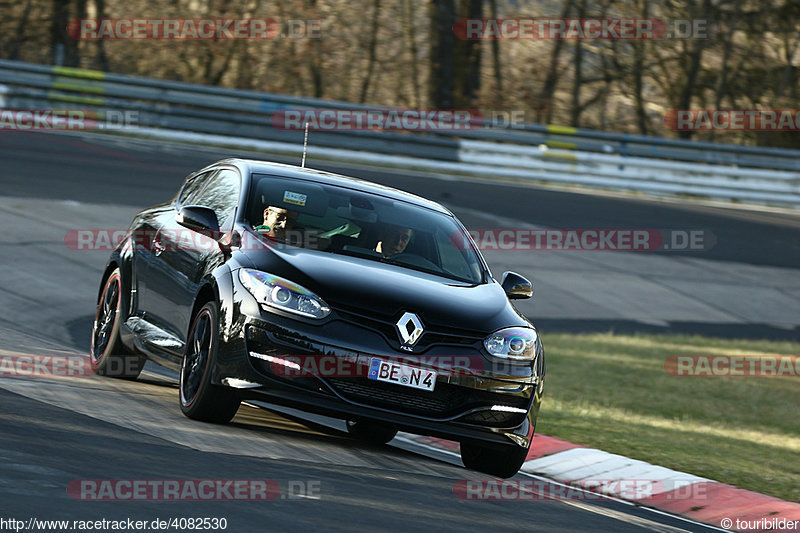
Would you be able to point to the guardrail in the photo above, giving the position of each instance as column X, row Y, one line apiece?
column 524, row 151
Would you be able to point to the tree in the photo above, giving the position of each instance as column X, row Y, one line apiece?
column 65, row 49
column 442, row 48
column 371, row 50
column 544, row 105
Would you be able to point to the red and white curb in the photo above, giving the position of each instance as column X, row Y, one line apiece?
column 667, row 490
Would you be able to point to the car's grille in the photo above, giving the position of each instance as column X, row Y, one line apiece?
column 437, row 402
column 430, row 338
column 385, row 325
column 384, row 328
column 444, row 401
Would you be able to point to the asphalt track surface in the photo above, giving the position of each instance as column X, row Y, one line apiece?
column 58, row 430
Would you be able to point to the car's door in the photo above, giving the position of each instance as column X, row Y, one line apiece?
column 176, row 272
column 148, row 248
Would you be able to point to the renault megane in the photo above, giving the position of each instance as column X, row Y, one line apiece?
column 329, row 294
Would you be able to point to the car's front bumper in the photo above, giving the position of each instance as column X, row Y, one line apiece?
column 474, row 399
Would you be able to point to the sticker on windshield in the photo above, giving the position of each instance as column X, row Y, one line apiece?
column 294, row 198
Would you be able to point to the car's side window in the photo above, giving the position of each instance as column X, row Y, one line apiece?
column 193, row 186
column 222, row 195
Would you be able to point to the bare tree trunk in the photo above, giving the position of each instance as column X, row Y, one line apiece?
column 695, row 58
column 638, row 75
column 102, row 57
column 605, row 92
column 294, row 68
column 791, row 50
column 411, row 35
column 544, row 106
column 372, row 46
column 470, row 60
column 498, row 77
column 59, row 39
column 315, row 68
column 575, row 114
column 441, row 81
column 315, row 61
column 75, row 51
column 578, row 73
column 20, row 33
column 216, row 77
column 721, row 88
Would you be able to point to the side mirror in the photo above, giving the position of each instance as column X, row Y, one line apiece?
column 198, row 218
column 516, row 287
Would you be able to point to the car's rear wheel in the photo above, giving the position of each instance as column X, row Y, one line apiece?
column 107, row 355
column 199, row 398
column 371, row 431
column 502, row 463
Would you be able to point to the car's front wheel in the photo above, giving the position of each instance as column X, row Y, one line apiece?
column 107, row 354
column 371, row 431
column 493, row 461
column 199, row 398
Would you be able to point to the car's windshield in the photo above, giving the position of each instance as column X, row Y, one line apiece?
column 349, row 222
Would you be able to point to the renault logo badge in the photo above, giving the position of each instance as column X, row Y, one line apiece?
column 409, row 329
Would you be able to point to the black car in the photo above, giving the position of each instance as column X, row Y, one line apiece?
column 329, row 294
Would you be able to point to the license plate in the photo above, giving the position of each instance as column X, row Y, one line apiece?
column 400, row 374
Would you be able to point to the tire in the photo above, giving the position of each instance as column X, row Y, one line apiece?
column 493, row 461
column 199, row 398
column 107, row 355
column 371, row 431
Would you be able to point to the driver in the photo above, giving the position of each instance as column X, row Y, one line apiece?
column 392, row 240
column 277, row 222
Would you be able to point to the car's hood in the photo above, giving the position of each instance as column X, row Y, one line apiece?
column 385, row 290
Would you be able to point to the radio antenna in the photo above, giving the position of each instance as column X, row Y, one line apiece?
column 305, row 147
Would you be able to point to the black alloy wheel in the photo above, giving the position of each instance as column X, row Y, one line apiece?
column 107, row 355
column 199, row 398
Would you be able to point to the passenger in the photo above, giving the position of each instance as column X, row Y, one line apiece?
column 392, row 240
column 278, row 222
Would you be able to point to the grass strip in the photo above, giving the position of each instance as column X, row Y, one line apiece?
column 613, row 392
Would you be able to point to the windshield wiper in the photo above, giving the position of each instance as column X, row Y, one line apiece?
column 366, row 254
column 377, row 256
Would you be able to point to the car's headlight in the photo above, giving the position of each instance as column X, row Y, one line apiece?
column 283, row 294
column 518, row 344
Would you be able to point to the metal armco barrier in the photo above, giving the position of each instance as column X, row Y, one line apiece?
column 535, row 152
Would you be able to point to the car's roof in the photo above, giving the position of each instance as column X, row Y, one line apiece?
column 252, row 166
